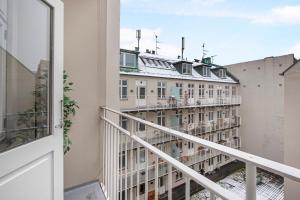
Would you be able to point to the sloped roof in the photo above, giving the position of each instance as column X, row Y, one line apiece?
column 157, row 66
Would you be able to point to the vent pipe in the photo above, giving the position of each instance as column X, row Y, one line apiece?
column 182, row 47
column 138, row 37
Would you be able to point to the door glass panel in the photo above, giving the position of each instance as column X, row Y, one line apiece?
column 142, row 93
column 25, row 55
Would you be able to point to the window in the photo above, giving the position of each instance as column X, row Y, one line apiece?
column 25, row 72
column 186, row 68
column 190, row 145
column 191, row 117
column 161, row 181
column 122, row 160
column 219, row 91
column 210, row 161
column 227, row 113
column 222, row 73
column 234, row 93
column 211, row 137
column 128, row 60
column 201, row 91
column 179, row 117
column 142, row 155
column 161, row 90
column 201, row 117
column 180, row 86
column 226, row 91
column 219, row 136
column 123, row 89
column 179, row 145
column 219, row 158
column 219, row 114
column 124, row 122
column 211, row 116
column 191, row 91
column 161, row 118
column 206, row 71
column 211, row 91
column 178, row 175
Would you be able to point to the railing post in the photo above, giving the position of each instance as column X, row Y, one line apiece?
column 146, row 173
column 156, row 178
column 170, row 182
column 250, row 181
column 187, row 188
column 212, row 196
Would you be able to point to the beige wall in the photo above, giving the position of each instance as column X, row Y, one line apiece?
column 292, row 128
column 262, row 110
column 91, row 60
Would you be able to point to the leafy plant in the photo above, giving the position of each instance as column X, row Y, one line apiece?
column 70, row 107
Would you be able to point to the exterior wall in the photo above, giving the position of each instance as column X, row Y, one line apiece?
column 91, row 60
column 292, row 128
column 195, row 156
column 151, row 90
column 262, row 110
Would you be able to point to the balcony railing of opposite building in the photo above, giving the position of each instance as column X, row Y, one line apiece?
column 114, row 138
column 132, row 103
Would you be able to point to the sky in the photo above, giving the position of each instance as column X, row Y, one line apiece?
column 232, row 30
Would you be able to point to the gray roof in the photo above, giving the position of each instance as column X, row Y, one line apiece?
column 157, row 66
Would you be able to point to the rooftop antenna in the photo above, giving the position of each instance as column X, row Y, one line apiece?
column 156, row 44
column 212, row 58
column 138, row 37
column 182, row 47
column 204, row 51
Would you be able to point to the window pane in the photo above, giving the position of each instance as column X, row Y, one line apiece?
column 130, row 60
column 24, row 72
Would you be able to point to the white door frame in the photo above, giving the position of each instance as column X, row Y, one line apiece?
column 22, row 161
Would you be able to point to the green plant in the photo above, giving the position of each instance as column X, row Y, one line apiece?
column 70, row 107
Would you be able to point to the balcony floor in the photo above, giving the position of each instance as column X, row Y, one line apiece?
column 91, row 191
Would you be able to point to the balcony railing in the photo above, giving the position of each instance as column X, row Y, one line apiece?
column 131, row 103
column 126, row 179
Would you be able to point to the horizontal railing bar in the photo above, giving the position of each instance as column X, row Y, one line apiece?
column 269, row 165
column 200, row 179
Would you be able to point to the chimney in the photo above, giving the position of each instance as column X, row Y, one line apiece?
column 153, row 52
column 148, row 51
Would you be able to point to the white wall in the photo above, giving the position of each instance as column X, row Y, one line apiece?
column 292, row 128
column 262, row 109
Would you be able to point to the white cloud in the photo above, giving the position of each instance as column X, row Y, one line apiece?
column 128, row 41
column 280, row 15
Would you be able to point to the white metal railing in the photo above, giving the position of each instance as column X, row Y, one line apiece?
column 112, row 175
column 112, row 133
column 152, row 102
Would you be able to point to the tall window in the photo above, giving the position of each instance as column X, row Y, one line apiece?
column 123, row 89
column 234, row 92
column 191, row 90
column 161, row 118
column 222, row 73
column 201, row 90
column 219, row 135
column 161, row 90
column 211, row 116
column 179, row 116
column 128, row 60
column 210, row 161
column 226, row 91
column 179, row 86
column 201, row 117
column 219, row 114
column 211, row 91
column 191, row 117
column 124, row 122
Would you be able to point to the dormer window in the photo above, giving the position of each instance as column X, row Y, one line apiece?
column 222, row 73
column 186, row 68
column 206, row 71
column 128, row 60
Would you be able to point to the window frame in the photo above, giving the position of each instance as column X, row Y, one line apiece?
column 121, row 89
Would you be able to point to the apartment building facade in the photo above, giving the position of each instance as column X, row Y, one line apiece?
column 262, row 89
column 197, row 98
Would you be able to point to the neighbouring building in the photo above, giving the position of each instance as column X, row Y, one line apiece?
column 194, row 97
column 262, row 90
column 292, row 126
